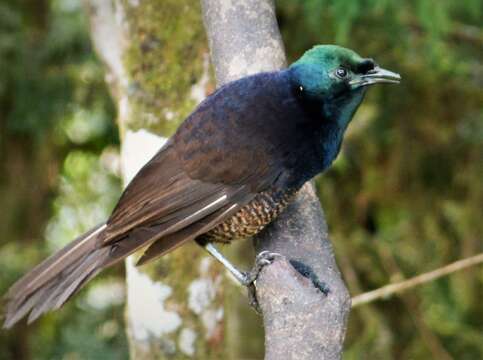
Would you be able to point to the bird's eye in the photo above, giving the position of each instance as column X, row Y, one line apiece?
column 341, row 72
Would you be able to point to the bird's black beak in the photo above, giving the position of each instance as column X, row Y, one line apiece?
column 375, row 76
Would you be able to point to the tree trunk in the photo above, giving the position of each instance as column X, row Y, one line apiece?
column 158, row 70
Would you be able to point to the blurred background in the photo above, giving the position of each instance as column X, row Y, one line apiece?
column 404, row 197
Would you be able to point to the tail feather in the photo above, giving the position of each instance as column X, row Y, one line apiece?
column 54, row 281
column 15, row 314
column 68, row 285
column 47, row 269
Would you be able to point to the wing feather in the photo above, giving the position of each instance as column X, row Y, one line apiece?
column 163, row 199
column 172, row 241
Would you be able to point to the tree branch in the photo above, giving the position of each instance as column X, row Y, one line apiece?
column 392, row 289
column 300, row 321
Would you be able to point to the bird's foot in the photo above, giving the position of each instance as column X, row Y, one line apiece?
column 263, row 259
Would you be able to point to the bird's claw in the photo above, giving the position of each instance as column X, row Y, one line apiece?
column 252, row 299
column 263, row 259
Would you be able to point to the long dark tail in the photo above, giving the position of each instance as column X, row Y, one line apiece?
column 51, row 283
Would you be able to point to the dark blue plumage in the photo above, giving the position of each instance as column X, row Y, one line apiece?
column 265, row 128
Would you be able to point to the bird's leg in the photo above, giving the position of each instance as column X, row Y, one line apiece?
column 239, row 275
column 244, row 278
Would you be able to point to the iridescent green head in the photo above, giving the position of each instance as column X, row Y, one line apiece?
column 331, row 68
column 337, row 78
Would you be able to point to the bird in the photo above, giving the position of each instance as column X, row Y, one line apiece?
column 230, row 169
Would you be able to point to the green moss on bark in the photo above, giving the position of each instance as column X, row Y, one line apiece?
column 164, row 59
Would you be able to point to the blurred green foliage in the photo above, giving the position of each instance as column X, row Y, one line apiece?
column 58, row 141
column 404, row 197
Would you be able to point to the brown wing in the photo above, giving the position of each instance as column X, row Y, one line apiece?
column 162, row 200
column 190, row 232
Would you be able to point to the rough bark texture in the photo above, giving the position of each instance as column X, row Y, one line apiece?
column 244, row 38
column 301, row 322
column 158, row 69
